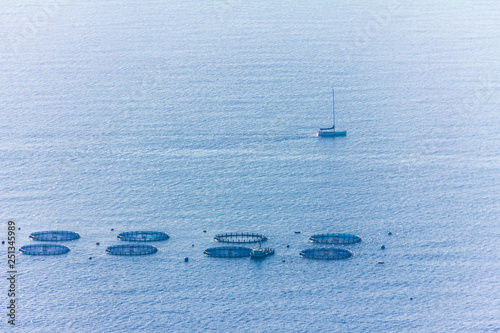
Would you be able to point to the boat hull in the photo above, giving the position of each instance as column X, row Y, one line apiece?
column 332, row 133
column 261, row 254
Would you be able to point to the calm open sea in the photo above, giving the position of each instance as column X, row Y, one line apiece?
column 184, row 116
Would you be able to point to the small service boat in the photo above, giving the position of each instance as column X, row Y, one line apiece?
column 261, row 253
column 330, row 131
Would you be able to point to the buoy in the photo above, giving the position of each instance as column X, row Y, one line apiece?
column 390, row 233
column 112, row 229
column 288, row 246
column 382, row 247
column 90, row 258
column 186, row 259
column 283, row 260
column 3, row 242
column 97, row 243
column 204, row 231
column 192, row 245
column 411, row 298
column 18, row 228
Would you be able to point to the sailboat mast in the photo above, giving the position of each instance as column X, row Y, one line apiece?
column 333, row 107
column 331, row 131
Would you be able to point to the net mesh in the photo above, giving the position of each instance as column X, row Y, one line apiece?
column 143, row 236
column 44, row 249
column 228, row 252
column 326, row 254
column 54, row 236
column 335, row 239
column 240, row 237
column 131, row 250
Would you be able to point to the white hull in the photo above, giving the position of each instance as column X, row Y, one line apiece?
column 332, row 133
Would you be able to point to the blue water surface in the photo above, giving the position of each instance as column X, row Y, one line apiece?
column 185, row 116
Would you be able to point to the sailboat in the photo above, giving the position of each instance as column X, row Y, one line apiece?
column 330, row 131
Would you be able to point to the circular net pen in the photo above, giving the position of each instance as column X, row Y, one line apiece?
column 335, row 239
column 131, row 250
column 54, row 236
column 326, row 254
column 228, row 252
column 143, row 236
column 240, row 237
column 44, row 249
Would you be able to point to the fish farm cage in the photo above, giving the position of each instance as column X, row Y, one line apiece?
column 326, row 254
column 335, row 239
column 228, row 252
column 143, row 236
column 54, row 236
column 131, row 250
column 240, row 237
column 44, row 249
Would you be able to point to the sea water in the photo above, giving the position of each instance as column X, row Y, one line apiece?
column 190, row 116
